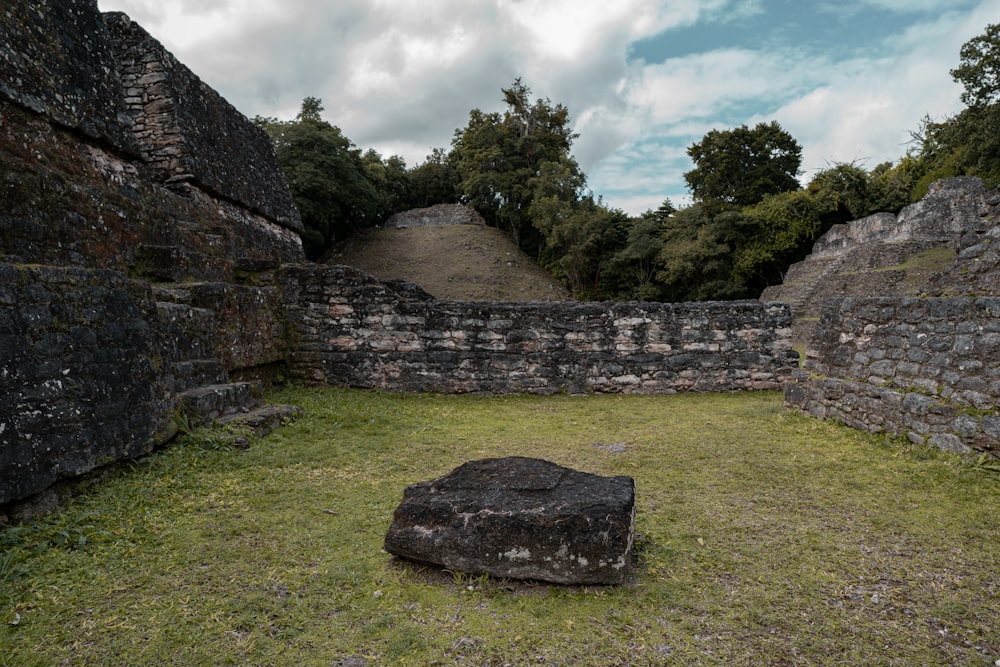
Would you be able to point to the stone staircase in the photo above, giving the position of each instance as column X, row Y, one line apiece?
column 800, row 290
column 887, row 255
column 883, row 269
column 196, row 376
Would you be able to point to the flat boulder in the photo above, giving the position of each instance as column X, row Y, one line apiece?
column 519, row 518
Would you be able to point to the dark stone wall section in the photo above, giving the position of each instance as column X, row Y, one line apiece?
column 122, row 301
column 189, row 134
column 78, row 387
column 353, row 330
column 56, row 59
column 924, row 369
column 64, row 202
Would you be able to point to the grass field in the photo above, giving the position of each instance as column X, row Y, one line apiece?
column 764, row 538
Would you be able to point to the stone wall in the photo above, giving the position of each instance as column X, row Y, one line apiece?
column 80, row 186
column 67, row 202
column 189, row 134
column 950, row 209
column 927, row 369
column 78, row 385
column 886, row 254
column 924, row 369
column 353, row 330
column 56, row 58
column 124, row 302
column 439, row 214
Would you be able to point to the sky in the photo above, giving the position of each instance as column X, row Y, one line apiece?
column 643, row 80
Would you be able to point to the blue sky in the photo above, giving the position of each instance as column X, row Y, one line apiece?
column 643, row 79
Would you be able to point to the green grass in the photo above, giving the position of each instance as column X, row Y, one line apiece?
column 765, row 537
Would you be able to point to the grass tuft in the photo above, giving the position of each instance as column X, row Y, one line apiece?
column 764, row 537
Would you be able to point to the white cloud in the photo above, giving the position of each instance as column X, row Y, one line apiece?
column 401, row 75
column 867, row 109
column 700, row 85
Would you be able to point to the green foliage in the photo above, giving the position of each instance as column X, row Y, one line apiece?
column 391, row 180
column 696, row 259
column 435, row 181
column 750, row 219
column 739, row 167
column 893, row 185
column 720, row 251
column 780, row 231
column 846, row 190
column 979, row 68
column 968, row 143
column 581, row 235
column 499, row 157
column 633, row 268
column 327, row 176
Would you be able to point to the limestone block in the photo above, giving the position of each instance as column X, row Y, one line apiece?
column 520, row 518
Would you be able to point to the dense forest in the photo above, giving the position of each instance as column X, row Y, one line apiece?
column 749, row 221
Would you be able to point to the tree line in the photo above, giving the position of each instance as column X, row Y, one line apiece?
column 749, row 221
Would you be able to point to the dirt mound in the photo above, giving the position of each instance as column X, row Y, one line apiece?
column 452, row 262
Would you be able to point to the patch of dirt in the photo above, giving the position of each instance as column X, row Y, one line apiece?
column 452, row 262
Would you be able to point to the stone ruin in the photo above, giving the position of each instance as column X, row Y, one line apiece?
column 437, row 215
column 141, row 221
column 894, row 345
column 152, row 275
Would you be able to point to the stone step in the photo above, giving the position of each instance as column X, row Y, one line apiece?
column 262, row 420
column 807, row 271
column 191, row 373
column 205, row 404
column 186, row 332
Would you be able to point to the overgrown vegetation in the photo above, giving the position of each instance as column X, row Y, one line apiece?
column 749, row 222
column 765, row 538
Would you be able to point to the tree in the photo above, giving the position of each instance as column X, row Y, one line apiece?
column 326, row 175
column 696, row 260
column 892, row 185
column 582, row 238
column 846, row 189
column 967, row 144
column 435, row 181
column 391, row 181
column 782, row 229
column 738, row 167
column 498, row 156
column 579, row 234
column 979, row 68
column 634, row 267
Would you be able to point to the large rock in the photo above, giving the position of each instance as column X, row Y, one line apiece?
column 520, row 518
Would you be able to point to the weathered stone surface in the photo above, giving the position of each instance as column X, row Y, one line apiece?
column 439, row 214
column 97, row 200
column 894, row 255
column 189, row 133
column 914, row 365
column 56, row 59
column 520, row 518
column 77, row 387
column 357, row 331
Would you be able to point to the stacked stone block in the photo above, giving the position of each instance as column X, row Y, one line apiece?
column 79, row 384
column 353, row 330
column 924, row 369
column 98, row 360
column 56, row 58
column 189, row 134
